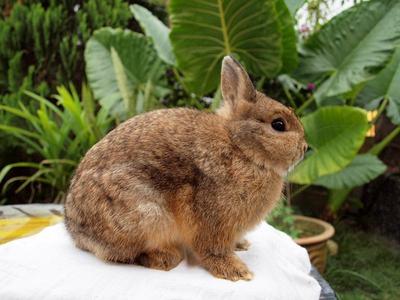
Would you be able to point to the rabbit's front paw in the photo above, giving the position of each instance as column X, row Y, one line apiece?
column 228, row 267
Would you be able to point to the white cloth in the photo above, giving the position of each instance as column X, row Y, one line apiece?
column 48, row 266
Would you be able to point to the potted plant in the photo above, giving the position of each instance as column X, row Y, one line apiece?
column 314, row 235
column 310, row 233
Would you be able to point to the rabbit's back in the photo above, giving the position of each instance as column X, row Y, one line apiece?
column 164, row 146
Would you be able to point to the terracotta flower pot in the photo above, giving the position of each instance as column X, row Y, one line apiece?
column 314, row 237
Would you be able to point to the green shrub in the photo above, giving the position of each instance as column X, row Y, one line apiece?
column 282, row 218
column 42, row 48
column 59, row 135
column 45, row 41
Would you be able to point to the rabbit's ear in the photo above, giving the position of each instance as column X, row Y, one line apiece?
column 235, row 83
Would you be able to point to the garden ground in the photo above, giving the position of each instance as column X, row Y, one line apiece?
column 366, row 267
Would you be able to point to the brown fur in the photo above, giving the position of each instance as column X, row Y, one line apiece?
column 177, row 179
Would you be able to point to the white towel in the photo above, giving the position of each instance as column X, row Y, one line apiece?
column 49, row 266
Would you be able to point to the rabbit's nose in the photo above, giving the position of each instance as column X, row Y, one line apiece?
column 305, row 148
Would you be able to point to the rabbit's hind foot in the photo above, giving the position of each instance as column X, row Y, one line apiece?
column 165, row 259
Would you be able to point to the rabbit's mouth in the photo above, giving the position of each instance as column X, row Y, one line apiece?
column 295, row 162
column 302, row 149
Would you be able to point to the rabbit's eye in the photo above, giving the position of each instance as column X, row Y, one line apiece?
column 278, row 124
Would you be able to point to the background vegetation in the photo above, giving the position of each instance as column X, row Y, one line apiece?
column 72, row 70
column 328, row 80
column 366, row 267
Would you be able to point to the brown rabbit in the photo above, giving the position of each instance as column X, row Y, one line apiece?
column 180, row 179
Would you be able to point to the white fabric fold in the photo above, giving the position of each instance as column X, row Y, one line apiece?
column 48, row 266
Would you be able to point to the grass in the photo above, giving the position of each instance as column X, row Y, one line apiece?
column 366, row 267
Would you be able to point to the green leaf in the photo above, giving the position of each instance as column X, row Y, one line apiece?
column 6, row 169
column 294, row 5
column 33, row 178
column 155, row 29
column 204, row 31
column 114, row 74
column 337, row 198
column 45, row 102
column 124, row 85
column 59, row 135
column 24, row 137
column 362, row 169
column 19, row 131
column 289, row 38
column 335, row 134
column 351, row 48
column 385, row 85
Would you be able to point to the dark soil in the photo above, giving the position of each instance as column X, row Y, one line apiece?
column 381, row 210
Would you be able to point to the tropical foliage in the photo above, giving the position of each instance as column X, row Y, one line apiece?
column 350, row 49
column 124, row 71
column 348, row 66
column 43, row 42
column 335, row 134
column 204, row 32
column 357, row 59
column 384, row 88
column 59, row 134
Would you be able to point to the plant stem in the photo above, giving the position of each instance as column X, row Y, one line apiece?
column 180, row 80
column 290, row 98
column 298, row 191
column 381, row 109
column 305, row 105
column 130, row 104
column 217, row 99
column 354, row 94
column 337, row 198
column 147, row 96
column 260, row 83
column 386, row 141
column 288, row 195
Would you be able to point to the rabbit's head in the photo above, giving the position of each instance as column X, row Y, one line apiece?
column 267, row 132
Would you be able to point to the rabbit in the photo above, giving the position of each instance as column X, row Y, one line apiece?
column 176, row 181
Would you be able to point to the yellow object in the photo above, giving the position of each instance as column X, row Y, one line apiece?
column 18, row 227
column 371, row 115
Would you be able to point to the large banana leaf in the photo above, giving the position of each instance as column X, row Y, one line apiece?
column 120, row 66
column 289, row 38
column 335, row 134
column 351, row 48
column 386, row 85
column 204, row 31
column 362, row 169
column 155, row 29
